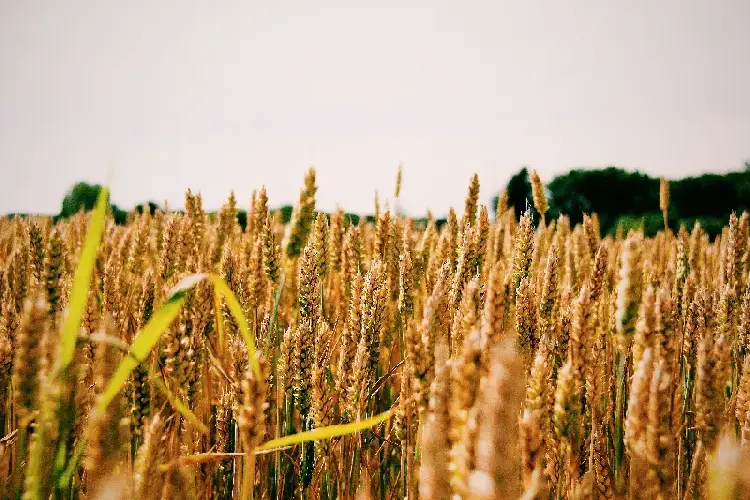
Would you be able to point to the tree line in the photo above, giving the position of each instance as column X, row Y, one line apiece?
column 622, row 199
column 629, row 199
column 83, row 196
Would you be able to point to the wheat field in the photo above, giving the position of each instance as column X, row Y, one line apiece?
column 180, row 356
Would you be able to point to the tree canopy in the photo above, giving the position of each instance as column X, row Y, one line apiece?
column 622, row 197
column 81, row 196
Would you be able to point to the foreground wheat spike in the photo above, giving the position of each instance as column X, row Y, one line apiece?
column 434, row 477
column 251, row 420
column 522, row 252
column 27, row 356
column 708, row 387
column 104, row 432
column 46, row 432
column 465, row 381
column 567, row 421
column 148, row 479
column 498, row 431
column 742, row 405
column 322, row 394
column 496, row 306
column 470, row 204
column 531, row 445
column 600, row 462
column 637, row 421
column 659, row 440
column 537, row 192
column 527, row 325
column 664, row 199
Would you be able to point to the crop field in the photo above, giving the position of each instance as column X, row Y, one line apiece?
column 490, row 357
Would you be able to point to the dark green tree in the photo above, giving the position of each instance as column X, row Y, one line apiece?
column 119, row 215
column 609, row 192
column 351, row 218
column 81, row 196
column 519, row 191
column 242, row 219
column 286, row 213
column 151, row 206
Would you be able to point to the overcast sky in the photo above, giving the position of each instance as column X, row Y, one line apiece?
column 236, row 95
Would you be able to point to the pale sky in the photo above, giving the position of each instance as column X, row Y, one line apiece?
column 226, row 95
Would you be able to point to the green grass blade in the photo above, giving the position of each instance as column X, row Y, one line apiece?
column 141, row 347
column 274, row 318
column 234, row 307
column 201, row 458
column 70, row 469
column 220, row 325
column 82, row 281
column 198, row 458
column 179, row 406
column 160, row 321
column 326, row 432
column 222, row 289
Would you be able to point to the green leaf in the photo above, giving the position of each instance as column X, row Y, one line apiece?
column 220, row 325
column 142, row 346
column 179, row 406
column 161, row 320
column 82, row 281
column 198, row 458
column 67, row 475
column 275, row 315
column 327, row 432
column 221, row 288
